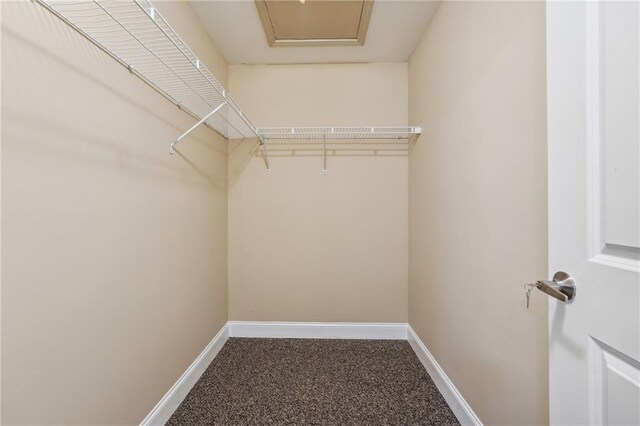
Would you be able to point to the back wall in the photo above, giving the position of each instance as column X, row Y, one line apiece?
column 304, row 246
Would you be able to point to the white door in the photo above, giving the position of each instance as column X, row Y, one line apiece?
column 593, row 112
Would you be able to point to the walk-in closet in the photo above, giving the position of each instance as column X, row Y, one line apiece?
column 319, row 212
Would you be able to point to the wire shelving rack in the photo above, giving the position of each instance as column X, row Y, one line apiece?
column 136, row 35
column 326, row 138
column 318, row 135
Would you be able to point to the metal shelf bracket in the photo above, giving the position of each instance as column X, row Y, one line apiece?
column 137, row 36
column 185, row 134
column 264, row 154
column 324, row 149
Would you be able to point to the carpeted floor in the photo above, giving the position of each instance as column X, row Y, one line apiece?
column 314, row 382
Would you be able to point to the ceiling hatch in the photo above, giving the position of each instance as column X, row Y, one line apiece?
column 315, row 22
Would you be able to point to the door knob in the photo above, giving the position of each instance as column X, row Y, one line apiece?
column 562, row 287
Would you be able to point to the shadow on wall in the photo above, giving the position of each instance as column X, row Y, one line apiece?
column 60, row 142
column 128, row 152
column 240, row 152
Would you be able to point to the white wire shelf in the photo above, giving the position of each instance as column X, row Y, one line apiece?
column 328, row 138
column 137, row 36
column 134, row 34
column 338, row 135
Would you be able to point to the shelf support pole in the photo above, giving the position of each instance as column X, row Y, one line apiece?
column 185, row 134
column 324, row 146
column 264, row 154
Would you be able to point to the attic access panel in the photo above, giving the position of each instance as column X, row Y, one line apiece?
column 315, row 23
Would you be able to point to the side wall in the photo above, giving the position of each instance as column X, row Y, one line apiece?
column 114, row 253
column 478, row 204
column 304, row 246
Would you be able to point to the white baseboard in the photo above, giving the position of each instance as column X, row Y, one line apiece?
column 318, row 330
column 172, row 399
column 454, row 398
column 311, row 330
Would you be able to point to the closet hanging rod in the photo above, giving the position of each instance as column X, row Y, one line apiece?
column 330, row 137
column 136, row 35
column 198, row 64
column 122, row 62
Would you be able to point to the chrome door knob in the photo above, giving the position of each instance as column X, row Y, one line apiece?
column 562, row 287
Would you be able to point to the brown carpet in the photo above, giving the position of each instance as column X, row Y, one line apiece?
column 314, row 382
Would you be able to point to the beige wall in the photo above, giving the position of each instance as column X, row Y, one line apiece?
column 114, row 253
column 308, row 247
column 478, row 227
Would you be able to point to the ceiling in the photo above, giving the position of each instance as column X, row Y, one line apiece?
column 394, row 31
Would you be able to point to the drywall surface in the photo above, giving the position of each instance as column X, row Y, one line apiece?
column 478, row 204
column 114, row 253
column 304, row 246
